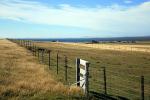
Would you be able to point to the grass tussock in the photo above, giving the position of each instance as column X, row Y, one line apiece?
column 21, row 76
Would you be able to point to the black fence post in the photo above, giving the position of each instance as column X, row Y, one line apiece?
column 66, row 69
column 78, row 71
column 26, row 44
column 30, row 43
column 35, row 48
column 87, row 80
column 32, row 49
column 57, row 61
column 49, row 58
column 142, row 87
column 23, row 43
column 38, row 53
column 105, row 81
column 43, row 55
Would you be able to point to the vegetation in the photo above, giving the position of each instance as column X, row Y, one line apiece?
column 22, row 77
column 124, row 68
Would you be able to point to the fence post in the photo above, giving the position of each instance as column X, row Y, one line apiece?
column 78, row 71
column 43, row 55
column 66, row 69
column 105, row 81
column 57, row 61
column 38, row 54
column 87, row 80
column 35, row 50
column 49, row 58
column 30, row 43
column 20, row 42
column 142, row 87
column 24, row 43
column 27, row 44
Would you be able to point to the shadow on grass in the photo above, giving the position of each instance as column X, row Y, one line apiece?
column 100, row 96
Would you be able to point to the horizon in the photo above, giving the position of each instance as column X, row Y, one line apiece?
column 85, row 37
column 74, row 18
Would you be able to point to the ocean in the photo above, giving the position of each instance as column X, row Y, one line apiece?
column 90, row 39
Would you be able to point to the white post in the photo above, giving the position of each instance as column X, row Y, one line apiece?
column 82, row 81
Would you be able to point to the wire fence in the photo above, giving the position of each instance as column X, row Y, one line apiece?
column 103, row 82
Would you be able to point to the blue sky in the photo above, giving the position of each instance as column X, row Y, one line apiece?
column 74, row 18
column 91, row 3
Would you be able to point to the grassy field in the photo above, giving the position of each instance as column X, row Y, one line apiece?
column 140, row 46
column 22, row 77
column 124, row 67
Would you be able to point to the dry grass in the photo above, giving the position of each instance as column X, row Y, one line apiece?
column 116, row 47
column 21, row 76
column 123, row 68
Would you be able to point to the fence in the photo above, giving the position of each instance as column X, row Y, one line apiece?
column 103, row 82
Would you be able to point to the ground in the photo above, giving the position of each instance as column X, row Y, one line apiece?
column 124, row 63
column 22, row 77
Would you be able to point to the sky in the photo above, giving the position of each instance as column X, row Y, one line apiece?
column 74, row 18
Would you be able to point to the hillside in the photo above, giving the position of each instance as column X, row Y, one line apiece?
column 124, row 64
column 23, row 77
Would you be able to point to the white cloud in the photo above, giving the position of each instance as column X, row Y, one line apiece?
column 111, row 19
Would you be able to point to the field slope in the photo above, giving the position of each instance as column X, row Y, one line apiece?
column 23, row 77
column 124, row 67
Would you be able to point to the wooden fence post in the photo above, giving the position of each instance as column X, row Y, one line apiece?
column 142, row 87
column 35, row 48
column 78, row 71
column 49, row 58
column 87, row 80
column 57, row 61
column 23, row 43
column 105, row 81
column 26, row 44
column 30, row 43
column 66, row 69
column 43, row 55
column 38, row 54
column 20, row 42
